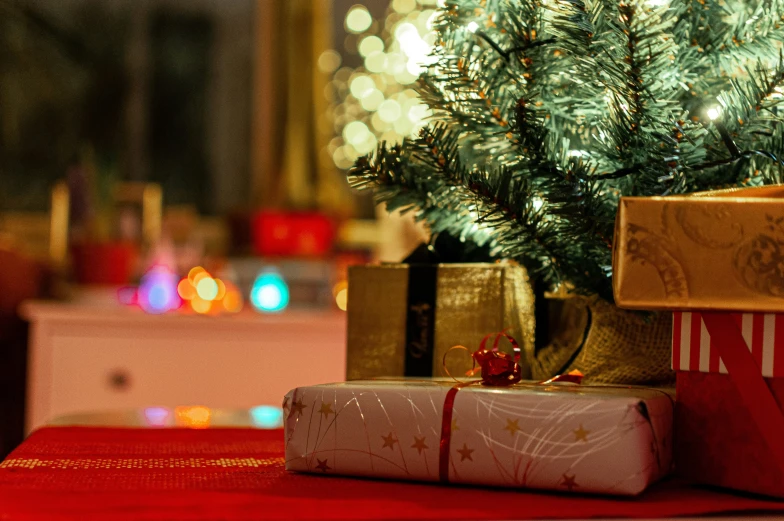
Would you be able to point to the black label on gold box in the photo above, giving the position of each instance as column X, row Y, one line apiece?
column 420, row 319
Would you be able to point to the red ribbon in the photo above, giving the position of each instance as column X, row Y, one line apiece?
column 499, row 369
column 446, row 431
column 747, row 378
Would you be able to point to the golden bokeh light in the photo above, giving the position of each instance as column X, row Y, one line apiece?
column 355, row 132
column 341, row 299
column 381, row 126
column 404, row 6
column 375, row 102
column 207, row 288
column 362, row 86
column 221, row 289
column 372, row 100
column 358, row 19
column 376, row 62
column 193, row 417
column 193, row 272
column 340, row 292
column 185, row 289
column 207, row 294
column 329, row 61
column 201, row 306
column 396, row 64
column 232, row 302
column 343, row 284
column 200, row 276
column 367, row 145
column 369, row 45
column 403, row 126
column 418, row 111
column 389, row 111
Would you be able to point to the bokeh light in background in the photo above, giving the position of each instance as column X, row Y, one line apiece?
column 266, row 416
column 208, row 294
column 270, row 293
column 207, row 288
column 358, row 19
column 157, row 292
column 197, row 417
column 340, row 292
column 157, row 416
column 376, row 102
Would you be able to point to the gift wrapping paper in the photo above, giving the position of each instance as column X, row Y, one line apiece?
column 572, row 438
column 717, row 441
column 403, row 318
column 713, row 251
column 763, row 333
column 728, row 427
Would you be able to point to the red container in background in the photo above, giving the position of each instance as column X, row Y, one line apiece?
column 718, row 439
column 292, row 234
column 103, row 263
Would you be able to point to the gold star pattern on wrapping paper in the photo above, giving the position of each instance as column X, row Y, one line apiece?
column 512, row 426
column 389, row 441
column 326, row 409
column 454, row 425
column 581, row 434
column 569, row 483
column 322, row 465
column 465, row 453
column 419, row 444
column 297, row 407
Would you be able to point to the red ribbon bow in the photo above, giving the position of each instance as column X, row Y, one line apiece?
column 498, row 369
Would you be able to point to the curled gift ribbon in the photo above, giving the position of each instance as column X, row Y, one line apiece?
column 498, row 369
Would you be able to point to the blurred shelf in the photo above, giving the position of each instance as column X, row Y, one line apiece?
column 89, row 313
column 87, row 357
column 260, row 417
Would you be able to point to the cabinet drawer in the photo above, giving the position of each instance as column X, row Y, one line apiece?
column 217, row 364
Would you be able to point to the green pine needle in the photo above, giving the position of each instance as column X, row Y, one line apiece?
column 550, row 110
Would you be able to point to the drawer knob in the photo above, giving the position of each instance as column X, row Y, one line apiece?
column 119, row 380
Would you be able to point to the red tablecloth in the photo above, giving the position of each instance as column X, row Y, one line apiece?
column 236, row 474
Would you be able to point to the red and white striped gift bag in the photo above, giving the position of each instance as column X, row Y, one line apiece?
column 693, row 350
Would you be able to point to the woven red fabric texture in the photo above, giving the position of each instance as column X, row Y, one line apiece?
column 106, row 474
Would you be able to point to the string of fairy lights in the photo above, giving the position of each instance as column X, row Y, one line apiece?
column 376, row 101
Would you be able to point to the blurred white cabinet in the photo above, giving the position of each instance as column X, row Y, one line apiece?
column 84, row 358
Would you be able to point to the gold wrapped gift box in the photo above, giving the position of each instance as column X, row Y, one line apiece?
column 720, row 250
column 393, row 324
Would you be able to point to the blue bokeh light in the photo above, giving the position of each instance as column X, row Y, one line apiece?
column 269, row 293
column 158, row 291
column 266, row 416
column 156, row 416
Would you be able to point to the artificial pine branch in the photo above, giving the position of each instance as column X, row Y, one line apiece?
column 546, row 112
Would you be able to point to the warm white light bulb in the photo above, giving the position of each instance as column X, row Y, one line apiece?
column 473, row 26
column 714, row 113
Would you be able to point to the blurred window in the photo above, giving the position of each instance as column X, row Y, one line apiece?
column 156, row 90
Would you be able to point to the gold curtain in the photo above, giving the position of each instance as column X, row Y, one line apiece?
column 290, row 166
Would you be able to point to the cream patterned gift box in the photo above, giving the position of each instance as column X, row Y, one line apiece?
column 575, row 438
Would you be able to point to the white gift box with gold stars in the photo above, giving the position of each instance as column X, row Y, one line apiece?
column 574, row 438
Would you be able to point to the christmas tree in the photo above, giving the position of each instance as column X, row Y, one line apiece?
column 546, row 112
